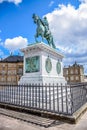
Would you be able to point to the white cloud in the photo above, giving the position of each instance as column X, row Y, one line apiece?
column 14, row 1
column 69, row 28
column 15, row 43
column 84, row 1
column 51, row 3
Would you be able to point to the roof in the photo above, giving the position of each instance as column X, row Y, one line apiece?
column 77, row 65
column 74, row 65
column 13, row 59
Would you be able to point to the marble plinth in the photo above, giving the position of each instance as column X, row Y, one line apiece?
column 42, row 65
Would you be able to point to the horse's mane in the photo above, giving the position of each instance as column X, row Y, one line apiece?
column 41, row 22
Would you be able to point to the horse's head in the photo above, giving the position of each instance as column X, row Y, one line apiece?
column 35, row 17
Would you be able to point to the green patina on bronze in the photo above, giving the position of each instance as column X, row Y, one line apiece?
column 48, row 65
column 32, row 64
column 58, row 67
column 43, row 30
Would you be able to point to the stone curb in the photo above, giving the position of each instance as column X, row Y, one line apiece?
column 72, row 119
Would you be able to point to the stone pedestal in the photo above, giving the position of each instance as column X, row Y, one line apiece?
column 42, row 65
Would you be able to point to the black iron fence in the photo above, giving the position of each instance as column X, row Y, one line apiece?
column 56, row 99
column 78, row 96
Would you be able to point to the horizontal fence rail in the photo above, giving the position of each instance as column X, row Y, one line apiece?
column 56, row 99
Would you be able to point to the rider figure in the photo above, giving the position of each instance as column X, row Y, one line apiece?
column 46, row 24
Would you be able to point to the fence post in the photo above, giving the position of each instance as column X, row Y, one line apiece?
column 36, row 95
column 42, row 97
column 57, row 98
column 62, row 98
column 49, row 97
column 29, row 95
column 39, row 95
column 53, row 98
column 46, row 96
column 66, row 87
column 71, row 93
column 32, row 95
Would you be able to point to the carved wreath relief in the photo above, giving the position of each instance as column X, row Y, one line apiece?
column 48, row 66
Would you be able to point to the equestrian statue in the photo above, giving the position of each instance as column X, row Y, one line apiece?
column 43, row 30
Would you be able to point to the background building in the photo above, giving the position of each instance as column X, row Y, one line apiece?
column 85, row 78
column 74, row 73
column 11, row 69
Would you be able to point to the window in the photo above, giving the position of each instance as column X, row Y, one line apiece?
column 9, row 72
column 67, row 78
column 77, row 78
column 3, row 72
column 76, row 71
column 72, row 78
column 20, row 70
column 13, row 79
column 3, row 65
column 13, row 71
column 9, row 79
column 71, row 71
column 3, row 79
column 11, row 65
column 66, row 71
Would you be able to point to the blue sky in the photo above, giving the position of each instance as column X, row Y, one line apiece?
column 67, row 20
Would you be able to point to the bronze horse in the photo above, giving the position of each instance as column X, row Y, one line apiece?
column 42, row 31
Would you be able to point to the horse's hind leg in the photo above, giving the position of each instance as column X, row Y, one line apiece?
column 42, row 37
column 53, row 45
column 51, row 42
column 36, row 38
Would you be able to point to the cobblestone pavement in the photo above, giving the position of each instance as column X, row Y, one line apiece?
column 8, row 123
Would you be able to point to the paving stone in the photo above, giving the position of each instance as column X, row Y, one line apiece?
column 8, row 123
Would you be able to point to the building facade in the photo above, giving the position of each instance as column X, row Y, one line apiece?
column 11, row 69
column 74, row 73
